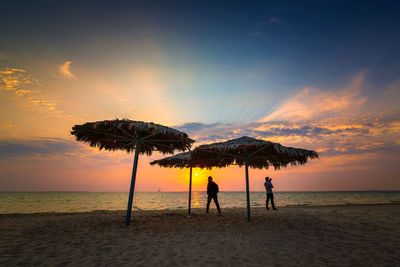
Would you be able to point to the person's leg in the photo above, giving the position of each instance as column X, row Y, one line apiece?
column 272, row 201
column 268, row 197
column 216, row 203
column 208, row 203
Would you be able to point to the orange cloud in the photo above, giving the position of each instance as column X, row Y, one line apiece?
column 17, row 81
column 65, row 70
column 312, row 103
column 22, row 84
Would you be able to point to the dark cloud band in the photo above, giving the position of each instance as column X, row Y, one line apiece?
column 43, row 146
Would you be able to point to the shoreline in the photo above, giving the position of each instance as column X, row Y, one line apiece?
column 360, row 235
column 200, row 209
column 203, row 191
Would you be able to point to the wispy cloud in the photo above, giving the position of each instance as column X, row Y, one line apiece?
column 313, row 103
column 192, row 127
column 65, row 69
column 22, row 84
column 58, row 149
column 274, row 20
column 43, row 146
column 255, row 33
column 260, row 26
column 17, row 81
column 269, row 21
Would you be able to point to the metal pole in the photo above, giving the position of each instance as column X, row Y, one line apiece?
column 132, row 190
column 190, row 189
column 247, row 188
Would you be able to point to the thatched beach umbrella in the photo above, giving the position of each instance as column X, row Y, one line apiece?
column 181, row 160
column 255, row 153
column 184, row 160
column 128, row 135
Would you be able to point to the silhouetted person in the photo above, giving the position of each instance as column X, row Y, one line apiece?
column 270, row 195
column 212, row 192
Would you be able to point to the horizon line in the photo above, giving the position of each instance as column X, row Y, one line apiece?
column 233, row 191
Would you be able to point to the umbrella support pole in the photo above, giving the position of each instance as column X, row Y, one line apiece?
column 133, row 180
column 247, row 188
column 190, row 189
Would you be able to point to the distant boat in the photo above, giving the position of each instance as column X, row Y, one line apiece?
column 159, row 190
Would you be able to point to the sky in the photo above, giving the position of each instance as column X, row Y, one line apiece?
column 321, row 75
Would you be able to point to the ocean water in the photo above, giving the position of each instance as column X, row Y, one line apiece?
column 33, row 202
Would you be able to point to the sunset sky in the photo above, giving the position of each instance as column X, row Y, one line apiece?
column 321, row 75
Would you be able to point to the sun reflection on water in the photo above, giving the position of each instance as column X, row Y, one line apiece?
column 196, row 199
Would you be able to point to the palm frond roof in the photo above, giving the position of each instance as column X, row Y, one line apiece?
column 124, row 135
column 259, row 153
column 185, row 160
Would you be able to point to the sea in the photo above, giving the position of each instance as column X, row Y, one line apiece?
column 38, row 202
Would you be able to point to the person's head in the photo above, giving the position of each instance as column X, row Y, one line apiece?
column 209, row 178
column 267, row 179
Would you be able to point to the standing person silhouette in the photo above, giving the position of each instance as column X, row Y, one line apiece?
column 212, row 192
column 270, row 195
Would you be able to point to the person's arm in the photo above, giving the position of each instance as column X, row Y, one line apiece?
column 214, row 188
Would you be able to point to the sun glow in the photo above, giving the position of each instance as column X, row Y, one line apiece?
column 199, row 176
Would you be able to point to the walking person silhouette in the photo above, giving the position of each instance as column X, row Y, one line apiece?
column 212, row 192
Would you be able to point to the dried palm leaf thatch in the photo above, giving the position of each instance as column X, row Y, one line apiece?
column 184, row 160
column 181, row 160
column 259, row 153
column 124, row 135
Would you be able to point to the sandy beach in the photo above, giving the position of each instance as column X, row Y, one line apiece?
column 356, row 235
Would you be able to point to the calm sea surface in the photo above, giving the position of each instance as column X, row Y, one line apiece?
column 31, row 202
